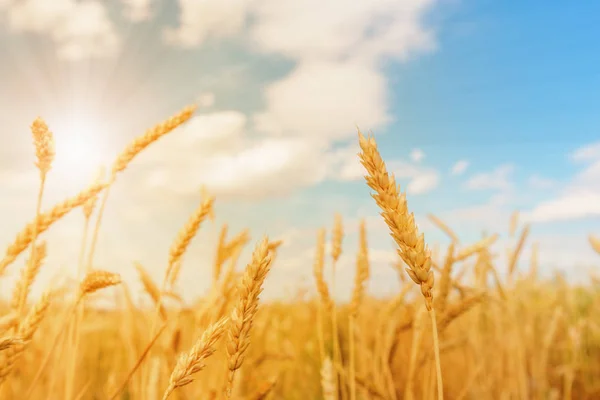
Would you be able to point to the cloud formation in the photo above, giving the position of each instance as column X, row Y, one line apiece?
column 579, row 198
column 417, row 155
column 207, row 19
column 459, row 167
column 539, row 182
column 323, row 100
column 78, row 29
column 336, row 82
column 497, row 179
column 138, row 10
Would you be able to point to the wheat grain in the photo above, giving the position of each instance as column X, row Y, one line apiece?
column 97, row 280
column 43, row 140
column 43, row 221
column 149, row 137
column 245, row 310
column 411, row 246
column 193, row 361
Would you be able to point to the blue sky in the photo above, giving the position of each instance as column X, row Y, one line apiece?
column 480, row 108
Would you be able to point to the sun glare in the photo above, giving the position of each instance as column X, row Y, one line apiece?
column 79, row 150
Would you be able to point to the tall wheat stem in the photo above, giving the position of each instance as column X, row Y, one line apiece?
column 48, row 355
column 352, row 350
column 436, row 350
column 74, row 327
column 96, row 231
column 334, row 329
column 320, row 338
column 43, row 140
column 38, row 211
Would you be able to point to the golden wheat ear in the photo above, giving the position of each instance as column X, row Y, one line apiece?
column 193, row 362
column 411, row 244
column 243, row 314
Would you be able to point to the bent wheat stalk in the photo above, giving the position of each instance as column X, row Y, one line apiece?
column 193, row 362
column 43, row 221
column 130, row 152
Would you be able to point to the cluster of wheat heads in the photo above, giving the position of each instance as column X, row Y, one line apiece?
column 488, row 335
column 235, row 298
column 512, row 337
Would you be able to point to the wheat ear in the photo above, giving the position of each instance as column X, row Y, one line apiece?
column 91, row 283
column 243, row 314
column 193, row 362
column 43, row 140
column 25, row 333
column 28, row 275
column 127, row 155
column 411, row 246
column 43, row 221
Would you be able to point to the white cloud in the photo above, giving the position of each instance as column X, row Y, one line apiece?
column 268, row 168
column 215, row 150
column 337, row 81
column 203, row 19
column 363, row 31
column 324, row 100
column 5, row 3
column 79, row 29
column 138, row 10
column 490, row 217
column 460, row 167
column 498, row 179
column 420, row 179
column 580, row 198
column 206, row 100
column 587, row 153
column 336, row 84
column 568, row 252
column 423, row 183
column 567, row 207
column 417, row 155
column 540, row 182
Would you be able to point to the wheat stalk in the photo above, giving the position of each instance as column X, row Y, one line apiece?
column 411, row 246
column 193, row 362
column 243, row 314
column 25, row 332
column 28, row 275
column 360, row 278
column 132, row 150
column 325, row 303
column 336, row 251
column 91, row 283
column 43, row 140
column 43, row 221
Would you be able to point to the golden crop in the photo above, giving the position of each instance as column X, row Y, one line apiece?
column 466, row 334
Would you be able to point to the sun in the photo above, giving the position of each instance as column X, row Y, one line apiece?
column 80, row 150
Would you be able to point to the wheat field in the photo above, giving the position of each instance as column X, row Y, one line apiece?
column 457, row 329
